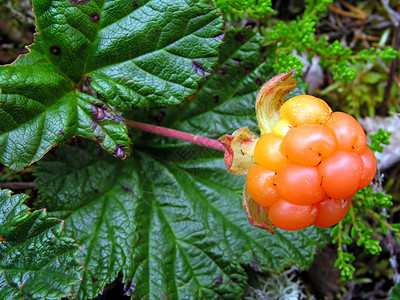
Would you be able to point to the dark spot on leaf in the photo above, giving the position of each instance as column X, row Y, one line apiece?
column 99, row 139
column 117, row 119
column 96, row 190
column 234, row 279
column 94, row 279
column 94, row 17
column 127, row 188
column 216, row 99
column 160, row 116
column 55, row 50
column 222, row 71
column 219, row 280
column 124, row 79
column 219, row 37
column 135, row 5
column 100, row 111
column 120, row 151
column 199, row 69
column 61, row 132
column 259, row 81
column 79, row 2
column 247, row 70
column 254, row 264
column 262, row 49
column 89, row 80
column 237, row 61
column 240, row 37
column 263, row 58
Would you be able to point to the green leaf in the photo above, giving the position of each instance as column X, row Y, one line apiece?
column 170, row 217
column 136, row 53
column 139, row 53
column 395, row 292
column 174, row 228
column 42, row 110
column 36, row 260
column 226, row 101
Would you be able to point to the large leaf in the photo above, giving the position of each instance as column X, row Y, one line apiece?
column 175, row 228
column 137, row 53
column 171, row 216
column 36, row 261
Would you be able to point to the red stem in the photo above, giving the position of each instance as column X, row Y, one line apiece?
column 177, row 135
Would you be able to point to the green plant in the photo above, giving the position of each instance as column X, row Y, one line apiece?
column 300, row 36
column 234, row 11
column 36, row 259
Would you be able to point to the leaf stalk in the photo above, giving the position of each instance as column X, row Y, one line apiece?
column 210, row 143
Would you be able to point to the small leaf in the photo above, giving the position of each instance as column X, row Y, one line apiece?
column 36, row 261
column 371, row 78
column 256, row 213
column 239, row 156
column 270, row 99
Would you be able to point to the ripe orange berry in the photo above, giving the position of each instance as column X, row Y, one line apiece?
column 300, row 184
column 349, row 134
column 260, row 183
column 305, row 109
column 331, row 211
column 267, row 152
column 289, row 216
column 369, row 171
column 307, row 144
column 341, row 173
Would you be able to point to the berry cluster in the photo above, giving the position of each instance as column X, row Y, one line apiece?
column 310, row 166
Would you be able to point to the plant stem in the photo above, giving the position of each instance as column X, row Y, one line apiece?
column 17, row 185
column 384, row 222
column 177, row 135
column 389, row 83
